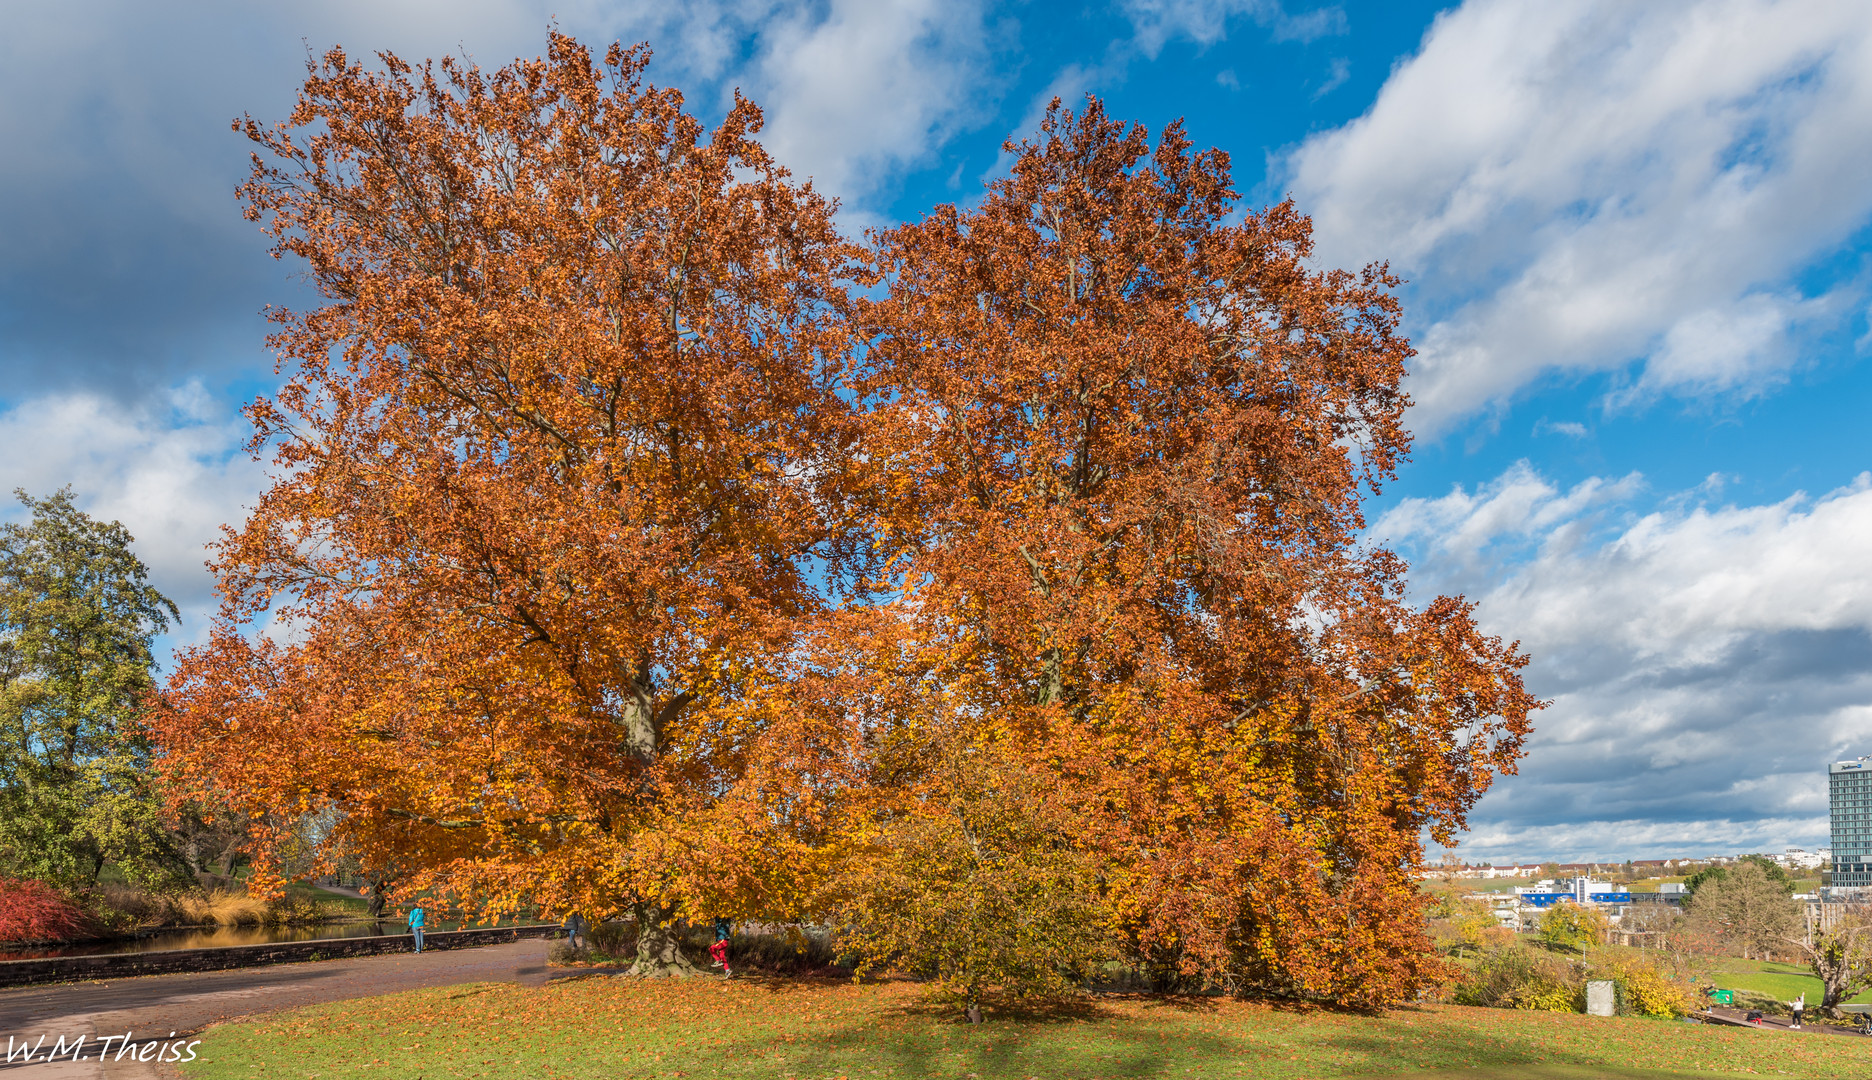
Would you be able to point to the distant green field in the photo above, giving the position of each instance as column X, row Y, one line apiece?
column 1464, row 885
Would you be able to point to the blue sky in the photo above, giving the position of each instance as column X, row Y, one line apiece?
column 1636, row 235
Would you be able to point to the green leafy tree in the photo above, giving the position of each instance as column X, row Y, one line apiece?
column 1768, row 867
column 1572, row 928
column 77, row 617
column 1461, row 926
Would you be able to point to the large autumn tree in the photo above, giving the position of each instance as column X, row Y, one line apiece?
column 1128, row 431
column 586, row 438
column 555, row 457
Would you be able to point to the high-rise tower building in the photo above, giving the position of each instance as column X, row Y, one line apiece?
column 1849, row 795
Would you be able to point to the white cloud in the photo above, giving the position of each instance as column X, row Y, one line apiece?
column 1642, row 839
column 1743, row 345
column 1206, row 21
column 1572, row 429
column 125, row 250
column 1517, row 507
column 1575, row 186
column 1337, row 73
column 872, row 87
column 1704, row 662
column 171, row 472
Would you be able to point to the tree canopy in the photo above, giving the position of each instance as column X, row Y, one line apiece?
column 647, row 547
column 553, row 469
column 1126, row 438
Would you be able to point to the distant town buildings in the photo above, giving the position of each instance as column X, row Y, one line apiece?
column 1845, row 868
column 1792, row 859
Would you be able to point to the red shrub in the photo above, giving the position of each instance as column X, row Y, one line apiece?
column 34, row 911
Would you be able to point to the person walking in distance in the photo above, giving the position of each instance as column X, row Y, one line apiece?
column 416, row 925
column 1799, row 1006
column 575, row 931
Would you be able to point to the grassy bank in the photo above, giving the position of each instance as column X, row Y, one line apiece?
column 348, row 906
column 773, row 1028
column 1782, row 982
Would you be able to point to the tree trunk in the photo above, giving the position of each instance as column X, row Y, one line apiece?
column 659, row 947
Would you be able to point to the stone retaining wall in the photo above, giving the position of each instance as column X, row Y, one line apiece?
column 122, row 965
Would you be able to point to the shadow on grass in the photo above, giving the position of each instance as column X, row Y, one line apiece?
column 1035, row 1011
column 1004, row 1047
column 1446, row 1052
column 1547, row 1072
column 1037, row 1039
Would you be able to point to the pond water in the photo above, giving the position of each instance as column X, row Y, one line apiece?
column 218, row 936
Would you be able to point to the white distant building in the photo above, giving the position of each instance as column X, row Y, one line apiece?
column 1801, row 859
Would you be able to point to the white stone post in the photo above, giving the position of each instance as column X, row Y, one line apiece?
column 1600, row 998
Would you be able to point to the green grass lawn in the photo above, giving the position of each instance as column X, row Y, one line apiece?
column 349, row 904
column 604, row 1027
column 1782, row 982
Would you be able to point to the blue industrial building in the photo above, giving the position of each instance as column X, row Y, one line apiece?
column 1577, row 891
column 1549, row 899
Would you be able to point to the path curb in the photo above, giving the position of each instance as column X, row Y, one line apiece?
column 54, row 969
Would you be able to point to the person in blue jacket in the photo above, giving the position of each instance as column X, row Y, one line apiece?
column 416, row 926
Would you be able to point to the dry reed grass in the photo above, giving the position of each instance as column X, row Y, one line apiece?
column 225, row 909
column 132, row 908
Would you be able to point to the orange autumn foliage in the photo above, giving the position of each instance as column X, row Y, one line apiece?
column 553, row 463
column 622, row 561
column 1128, row 440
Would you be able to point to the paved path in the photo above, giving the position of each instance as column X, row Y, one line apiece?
column 1814, row 1026
column 154, row 1005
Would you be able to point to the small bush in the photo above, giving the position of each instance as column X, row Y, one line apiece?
column 1548, row 998
column 1643, row 988
column 613, row 939
column 1518, row 977
column 792, row 951
column 1570, row 927
column 34, row 911
column 1462, row 927
column 561, row 953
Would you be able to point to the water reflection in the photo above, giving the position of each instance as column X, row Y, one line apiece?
column 217, row 937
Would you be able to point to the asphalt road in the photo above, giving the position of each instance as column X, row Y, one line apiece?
column 152, row 1006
